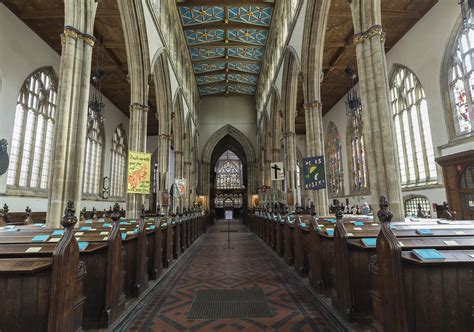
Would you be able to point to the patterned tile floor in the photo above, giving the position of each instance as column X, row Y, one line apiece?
column 210, row 265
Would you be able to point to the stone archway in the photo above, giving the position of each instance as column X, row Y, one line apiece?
column 209, row 151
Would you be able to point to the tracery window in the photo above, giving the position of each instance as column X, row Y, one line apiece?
column 461, row 80
column 118, row 161
column 229, row 171
column 93, row 158
column 359, row 177
column 412, row 129
column 33, row 131
column 335, row 173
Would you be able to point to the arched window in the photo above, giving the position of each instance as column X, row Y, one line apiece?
column 461, row 80
column 335, row 173
column 412, row 129
column 118, row 161
column 33, row 130
column 229, row 171
column 411, row 206
column 358, row 178
column 93, row 159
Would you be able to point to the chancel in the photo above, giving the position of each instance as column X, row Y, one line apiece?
column 256, row 165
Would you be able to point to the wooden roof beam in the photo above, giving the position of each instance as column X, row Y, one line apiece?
column 213, row 60
column 225, row 83
column 191, row 3
column 223, row 26
column 387, row 13
column 46, row 14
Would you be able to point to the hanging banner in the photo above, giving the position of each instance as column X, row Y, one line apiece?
column 314, row 175
column 180, row 187
column 138, row 181
column 276, row 171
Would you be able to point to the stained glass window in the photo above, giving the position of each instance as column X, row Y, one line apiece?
column 412, row 129
column 359, row 178
column 461, row 80
column 118, row 162
column 33, row 130
column 229, row 171
column 335, row 173
column 93, row 159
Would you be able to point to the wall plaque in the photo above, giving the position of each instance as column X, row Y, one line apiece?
column 4, row 159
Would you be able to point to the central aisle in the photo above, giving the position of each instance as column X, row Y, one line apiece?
column 210, row 265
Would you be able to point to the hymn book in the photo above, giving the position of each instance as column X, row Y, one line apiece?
column 428, row 254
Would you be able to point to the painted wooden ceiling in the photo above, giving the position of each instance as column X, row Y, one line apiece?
column 226, row 41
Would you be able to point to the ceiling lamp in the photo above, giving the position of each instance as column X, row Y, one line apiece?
column 353, row 103
column 96, row 105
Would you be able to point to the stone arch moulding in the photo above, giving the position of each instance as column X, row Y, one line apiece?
column 207, row 154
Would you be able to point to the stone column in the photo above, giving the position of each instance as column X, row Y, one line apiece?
column 178, row 174
column 73, row 96
column 137, row 142
column 315, row 147
column 187, row 175
column 379, row 135
column 290, row 166
column 163, row 168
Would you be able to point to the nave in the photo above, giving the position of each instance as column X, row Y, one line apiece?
column 248, row 264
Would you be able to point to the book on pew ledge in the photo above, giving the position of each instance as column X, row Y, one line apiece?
column 424, row 231
column 85, row 228
column 39, row 238
column 428, row 254
column 83, row 245
column 333, row 221
column 88, row 221
column 107, row 225
column 124, row 236
column 369, row 241
column 58, row 232
column 358, row 223
column 330, row 232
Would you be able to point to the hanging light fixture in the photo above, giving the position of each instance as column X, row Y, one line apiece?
column 353, row 103
column 96, row 105
column 466, row 14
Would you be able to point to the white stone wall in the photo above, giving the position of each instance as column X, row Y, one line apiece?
column 216, row 112
column 21, row 53
column 422, row 50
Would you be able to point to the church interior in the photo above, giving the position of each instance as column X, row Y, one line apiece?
column 219, row 165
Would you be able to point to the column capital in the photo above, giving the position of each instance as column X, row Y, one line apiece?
column 313, row 104
column 275, row 150
column 289, row 134
column 374, row 31
column 179, row 153
column 71, row 32
column 138, row 107
column 165, row 137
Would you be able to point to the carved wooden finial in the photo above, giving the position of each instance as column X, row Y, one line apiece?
column 142, row 212
column 384, row 214
column 337, row 210
column 5, row 209
column 115, row 215
column 28, row 211
column 69, row 219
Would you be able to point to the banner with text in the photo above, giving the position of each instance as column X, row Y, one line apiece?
column 138, row 181
column 314, row 175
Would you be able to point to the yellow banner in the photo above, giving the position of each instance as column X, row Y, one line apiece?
column 138, row 180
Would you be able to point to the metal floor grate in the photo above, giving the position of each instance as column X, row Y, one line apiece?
column 230, row 303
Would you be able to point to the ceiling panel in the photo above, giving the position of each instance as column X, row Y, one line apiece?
column 226, row 43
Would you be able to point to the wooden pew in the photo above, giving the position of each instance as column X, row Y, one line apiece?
column 422, row 295
column 40, row 294
column 289, row 238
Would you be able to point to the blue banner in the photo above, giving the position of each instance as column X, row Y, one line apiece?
column 314, row 175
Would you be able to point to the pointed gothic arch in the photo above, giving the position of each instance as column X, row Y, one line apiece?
column 209, row 153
